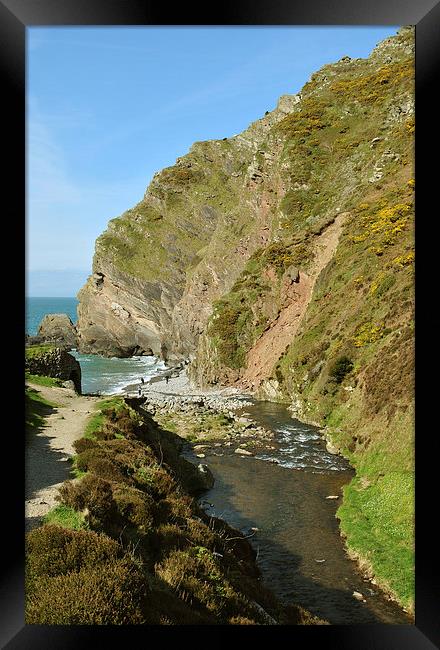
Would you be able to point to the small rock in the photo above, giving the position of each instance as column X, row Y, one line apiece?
column 201, row 455
column 319, row 561
column 243, row 452
column 331, row 448
column 332, row 496
column 358, row 596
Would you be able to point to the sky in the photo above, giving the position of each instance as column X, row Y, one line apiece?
column 108, row 107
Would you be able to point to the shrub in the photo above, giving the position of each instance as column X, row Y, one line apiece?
column 367, row 333
column 168, row 537
column 97, row 460
column 108, row 594
column 83, row 444
column 340, row 368
column 100, row 503
column 241, row 620
column 93, row 493
column 53, row 550
column 134, row 507
column 155, row 480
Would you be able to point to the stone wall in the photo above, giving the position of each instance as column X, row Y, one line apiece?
column 56, row 363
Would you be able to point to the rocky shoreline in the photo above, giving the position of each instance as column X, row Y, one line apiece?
column 209, row 420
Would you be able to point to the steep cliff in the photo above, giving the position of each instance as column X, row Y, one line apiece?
column 281, row 260
column 158, row 267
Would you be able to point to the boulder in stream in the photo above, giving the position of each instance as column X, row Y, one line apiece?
column 206, row 475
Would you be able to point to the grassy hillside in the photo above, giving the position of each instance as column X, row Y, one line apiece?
column 348, row 148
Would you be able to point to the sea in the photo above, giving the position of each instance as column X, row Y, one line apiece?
column 99, row 374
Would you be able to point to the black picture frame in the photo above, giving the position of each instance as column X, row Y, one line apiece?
column 15, row 17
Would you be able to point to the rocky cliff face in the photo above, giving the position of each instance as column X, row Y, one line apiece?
column 158, row 268
column 281, row 259
column 58, row 329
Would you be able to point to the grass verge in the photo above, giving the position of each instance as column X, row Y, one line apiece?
column 42, row 380
column 377, row 521
column 66, row 517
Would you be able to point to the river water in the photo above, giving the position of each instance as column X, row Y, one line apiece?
column 300, row 552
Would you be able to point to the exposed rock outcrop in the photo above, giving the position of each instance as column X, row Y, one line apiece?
column 53, row 362
column 158, row 268
column 58, row 329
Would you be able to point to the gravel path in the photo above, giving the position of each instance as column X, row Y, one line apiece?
column 49, row 450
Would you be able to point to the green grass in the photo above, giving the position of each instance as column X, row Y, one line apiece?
column 378, row 522
column 36, row 410
column 96, row 420
column 66, row 517
column 37, row 350
column 77, row 473
column 42, row 380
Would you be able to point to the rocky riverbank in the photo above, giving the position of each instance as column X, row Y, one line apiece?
column 207, row 419
column 130, row 545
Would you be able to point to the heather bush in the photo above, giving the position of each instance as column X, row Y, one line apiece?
column 98, row 462
column 52, row 550
column 84, row 444
column 195, row 575
column 134, row 507
column 168, row 537
column 110, row 593
column 241, row 620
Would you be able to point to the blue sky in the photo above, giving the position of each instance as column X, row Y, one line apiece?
column 109, row 107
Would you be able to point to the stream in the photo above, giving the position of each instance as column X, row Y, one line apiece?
column 299, row 550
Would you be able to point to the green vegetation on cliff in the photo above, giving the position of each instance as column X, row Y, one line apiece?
column 184, row 206
column 348, row 148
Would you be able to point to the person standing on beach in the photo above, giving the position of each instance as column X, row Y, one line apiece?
column 142, row 380
column 167, row 379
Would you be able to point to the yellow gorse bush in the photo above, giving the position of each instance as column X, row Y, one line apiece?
column 367, row 333
column 387, row 223
column 404, row 260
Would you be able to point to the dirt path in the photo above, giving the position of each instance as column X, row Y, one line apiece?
column 272, row 343
column 49, row 450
